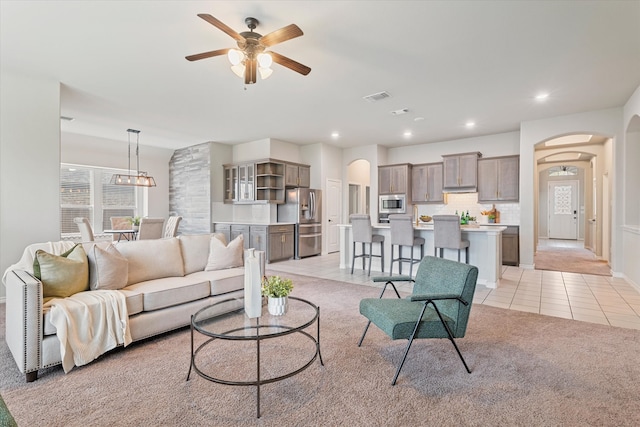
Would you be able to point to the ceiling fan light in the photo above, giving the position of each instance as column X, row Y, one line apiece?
column 235, row 56
column 265, row 60
column 265, row 72
column 238, row 70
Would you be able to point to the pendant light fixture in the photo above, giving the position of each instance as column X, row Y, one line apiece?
column 141, row 179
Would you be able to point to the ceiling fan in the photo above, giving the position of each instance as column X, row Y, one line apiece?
column 251, row 56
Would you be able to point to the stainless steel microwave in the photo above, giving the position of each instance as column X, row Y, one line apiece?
column 392, row 203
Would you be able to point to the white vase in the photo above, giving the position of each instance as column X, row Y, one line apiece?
column 252, row 287
column 277, row 306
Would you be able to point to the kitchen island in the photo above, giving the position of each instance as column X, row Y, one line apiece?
column 485, row 250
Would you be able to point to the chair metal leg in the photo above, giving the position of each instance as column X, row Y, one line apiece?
column 400, row 258
column 363, row 257
column 391, row 263
column 406, row 351
column 353, row 257
column 411, row 264
column 466, row 255
column 370, row 258
column 382, row 256
column 364, row 333
column 389, row 282
column 446, row 327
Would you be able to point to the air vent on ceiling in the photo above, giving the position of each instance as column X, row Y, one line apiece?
column 376, row 96
column 399, row 112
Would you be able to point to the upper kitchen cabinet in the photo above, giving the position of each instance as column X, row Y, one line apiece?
column 461, row 171
column 498, row 179
column 230, row 183
column 270, row 182
column 394, row 179
column 426, row 183
column 297, row 175
column 246, row 187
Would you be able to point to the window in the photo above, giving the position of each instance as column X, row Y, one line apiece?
column 86, row 192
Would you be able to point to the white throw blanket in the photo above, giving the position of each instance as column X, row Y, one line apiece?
column 89, row 324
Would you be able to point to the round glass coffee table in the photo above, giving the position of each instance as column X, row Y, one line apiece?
column 234, row 325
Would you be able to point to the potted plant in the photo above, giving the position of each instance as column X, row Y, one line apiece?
column 135, row 223
column 276, row 289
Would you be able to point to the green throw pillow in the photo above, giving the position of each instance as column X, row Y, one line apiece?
column 62, row 275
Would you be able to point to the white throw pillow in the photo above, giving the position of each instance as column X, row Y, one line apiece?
column 108, row 269
column 195, row 250
column 223, row 256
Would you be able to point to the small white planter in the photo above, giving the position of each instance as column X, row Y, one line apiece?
column 277, row 306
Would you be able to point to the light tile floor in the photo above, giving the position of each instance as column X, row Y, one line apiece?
column 589, row 298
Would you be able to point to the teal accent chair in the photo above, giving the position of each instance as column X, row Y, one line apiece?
column 438, row 307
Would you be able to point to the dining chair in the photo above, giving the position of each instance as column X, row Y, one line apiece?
column 171, row 229
column 121, row 222
column 151, row 228
column 86, row 232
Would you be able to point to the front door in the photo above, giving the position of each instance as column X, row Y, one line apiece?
column 563, row 210
column 334, row 207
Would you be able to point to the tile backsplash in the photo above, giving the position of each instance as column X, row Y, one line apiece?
column 463, row 202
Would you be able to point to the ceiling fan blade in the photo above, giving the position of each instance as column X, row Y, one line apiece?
column 250, row 72
column 209, row 54
column 282, row 35
column 221, row 26
column 290, row 63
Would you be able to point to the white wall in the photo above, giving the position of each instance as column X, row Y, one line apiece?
column 630, row 230
column 29, row 165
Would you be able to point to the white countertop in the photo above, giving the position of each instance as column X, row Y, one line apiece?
column 253, row 223
column 429, row 227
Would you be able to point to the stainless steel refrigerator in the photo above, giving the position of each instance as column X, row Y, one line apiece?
column 303, row 206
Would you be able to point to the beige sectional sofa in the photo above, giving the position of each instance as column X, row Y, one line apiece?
column 166, row 283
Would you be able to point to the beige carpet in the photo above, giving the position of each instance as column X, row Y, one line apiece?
column 528, row 370
column 571, row 260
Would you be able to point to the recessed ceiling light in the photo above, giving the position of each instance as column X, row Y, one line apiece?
column 335, row 134
column 542, row 96
column 418, row 119
column 407, row 133
column 470, row 124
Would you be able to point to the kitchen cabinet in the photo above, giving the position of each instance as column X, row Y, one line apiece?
column 511, row 246
column 297, row 175
column 258, row 237
column 237, row 230
column 224, row 229
column 270, row 186
column 246, row 188
column 461, row 171
column 230, row 183
column 498, row 179
column 426, row 183
column 395, row 179
column 281, row 242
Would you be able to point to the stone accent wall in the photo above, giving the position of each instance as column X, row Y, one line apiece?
column 190, row 188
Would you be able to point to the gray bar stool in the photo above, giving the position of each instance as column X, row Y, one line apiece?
column 402, row 234
column 447, row 235
column 362, row 232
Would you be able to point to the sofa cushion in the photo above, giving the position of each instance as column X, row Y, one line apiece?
column 108, row 269
column 195, row 250
column 169, row 291
column 62, row 275
column 221, row 281
column 152, row 259
column 225, row 256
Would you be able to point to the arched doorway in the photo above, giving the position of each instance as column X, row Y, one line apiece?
column 359, row 191
column 571, row 203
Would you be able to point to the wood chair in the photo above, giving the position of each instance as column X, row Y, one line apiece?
column 438, row 307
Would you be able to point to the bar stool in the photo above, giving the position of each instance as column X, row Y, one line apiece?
column 402, row 234
column 363, row 233
column 447, row 235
